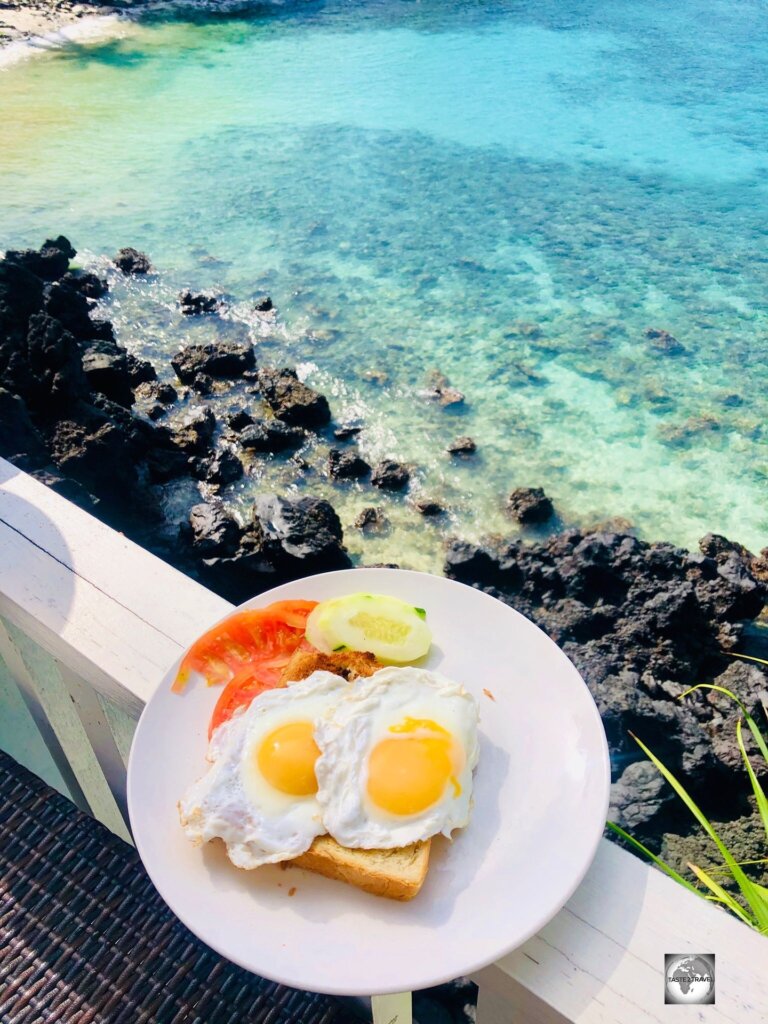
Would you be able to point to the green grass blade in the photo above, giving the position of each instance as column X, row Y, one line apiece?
column 652, row 856
column 747, row 657
column 756, row 901
column 757, row 789
column 721, row 895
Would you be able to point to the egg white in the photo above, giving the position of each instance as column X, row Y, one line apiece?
column 352, row 729
column 234, row 802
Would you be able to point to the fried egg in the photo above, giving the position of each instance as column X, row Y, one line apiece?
column 396, row 761
column 260, row 792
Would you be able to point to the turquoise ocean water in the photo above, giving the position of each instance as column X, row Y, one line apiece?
column 511, row 193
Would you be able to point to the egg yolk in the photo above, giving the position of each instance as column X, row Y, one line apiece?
column 286, row 759
column 409, row 772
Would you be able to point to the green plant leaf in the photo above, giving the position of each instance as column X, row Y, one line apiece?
column 747, row 657
column 756, row 900
column 721, row 895
column 757, row 789
column 652, row 856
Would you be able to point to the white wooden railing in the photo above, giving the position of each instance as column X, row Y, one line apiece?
column 89, row 624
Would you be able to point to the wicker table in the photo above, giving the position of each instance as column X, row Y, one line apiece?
column 86, row 939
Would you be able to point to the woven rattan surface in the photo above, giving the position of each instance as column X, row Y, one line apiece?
column 85, row 938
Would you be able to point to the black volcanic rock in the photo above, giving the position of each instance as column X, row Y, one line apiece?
column 72, row 309
column 50, row 262
column 216, row 359
column 98, row 456
column 263, row 304
column 372, row 520
column 346, row 465
column 20, row 441
column 196, row 303
column 193, row 431
column 106, row 369
column 304, row 529
column 291, row 400
column 638, row 797
column 51, row 376
column 347, row 431
column 221, row 469
column 271, row 436
column 427, row 507
column 529, row 505
column 214, row 529
column 141, row 371
column 472, row 563
column 462, row 446
column 390, row 475
column 238, row 419
column 160, row 395
column 131, row 261
column 88, row 284
column 664, row 343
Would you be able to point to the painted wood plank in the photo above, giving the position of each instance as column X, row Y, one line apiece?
column 115, row 614
column 22, row 738
column 601, row 960
column 101, row 740
column 392, row 1009
column 41, row 682
column 121, row 725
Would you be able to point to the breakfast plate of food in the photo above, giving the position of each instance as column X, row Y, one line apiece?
column 368, row 781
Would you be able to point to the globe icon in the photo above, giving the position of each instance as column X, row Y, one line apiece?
column 690, row 979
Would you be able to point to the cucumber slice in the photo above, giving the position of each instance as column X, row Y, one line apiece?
column 392, row 630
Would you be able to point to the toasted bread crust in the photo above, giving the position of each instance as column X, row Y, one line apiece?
column 396, row 874
column 347, row 664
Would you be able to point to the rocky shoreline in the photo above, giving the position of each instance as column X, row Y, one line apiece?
column 641, row 621
column 21, row 20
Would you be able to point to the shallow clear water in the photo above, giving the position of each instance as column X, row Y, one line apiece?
column 511, row 193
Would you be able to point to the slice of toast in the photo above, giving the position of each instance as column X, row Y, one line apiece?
column 397, row 874
column 347, row 664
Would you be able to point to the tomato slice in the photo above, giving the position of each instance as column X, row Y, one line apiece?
column 256, row 634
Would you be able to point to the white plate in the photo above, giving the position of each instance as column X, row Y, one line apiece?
column 541, row 797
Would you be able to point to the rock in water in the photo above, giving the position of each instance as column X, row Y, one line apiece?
column 89, row 285
column 462, row 446
column 346, row 465
column 271, row 436
column 372, row 520
column 390, row 475
column 292, row 401
column 216, row 359
column 529, row 505
column 307, row 529
column 664, row 343
column 196, row 303
column 215, row 531
column 50, row 262
column 131, row 261
column 194, row 430
column 427, row 507
column 222, row 469
column 238, row 419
